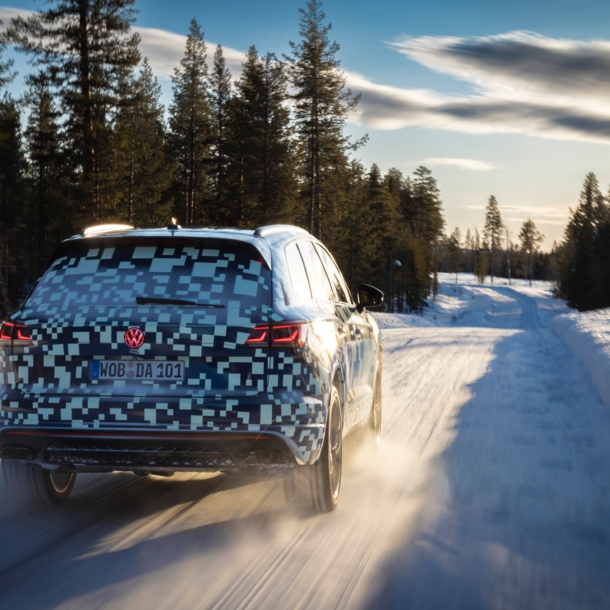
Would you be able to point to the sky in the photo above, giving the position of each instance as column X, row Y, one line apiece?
column 510, row 99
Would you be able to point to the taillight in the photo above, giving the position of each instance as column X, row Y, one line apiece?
column 292, row 334
column 6, row 331
column 21, row 333
column 15, row 331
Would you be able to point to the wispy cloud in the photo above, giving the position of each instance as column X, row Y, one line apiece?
column 7, row 13
column 522, row 83
column 515, row 214
column 163, row 49
column 519, row 65
column 470, row 164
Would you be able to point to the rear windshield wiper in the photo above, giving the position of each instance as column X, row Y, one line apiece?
column 171, row 301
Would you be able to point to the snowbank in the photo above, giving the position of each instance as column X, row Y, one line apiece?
column 588, row 336
column 399, row 320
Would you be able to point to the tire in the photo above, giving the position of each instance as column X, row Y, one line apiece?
column 32, row 484
column 376, row 408
column 317, row 487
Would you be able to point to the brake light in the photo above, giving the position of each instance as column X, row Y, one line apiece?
column 21, row 333
column 6, row 331
column 15, row 331
column 258, row 336
column 292, row 334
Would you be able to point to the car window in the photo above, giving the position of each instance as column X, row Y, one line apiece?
column 298, row 275
column 335, row 276
column 114, row 273
column 321, row 288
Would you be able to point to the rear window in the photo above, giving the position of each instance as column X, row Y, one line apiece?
column 113, row 273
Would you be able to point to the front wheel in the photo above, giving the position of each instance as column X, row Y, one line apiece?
column 317, row 487
column 32, row 484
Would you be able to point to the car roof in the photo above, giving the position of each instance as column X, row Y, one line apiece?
column 270, row 233
column 263, row 238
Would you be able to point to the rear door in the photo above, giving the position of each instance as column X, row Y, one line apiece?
column 361, row 349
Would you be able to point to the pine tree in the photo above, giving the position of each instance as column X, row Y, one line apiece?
column 530, row 239
column 190, row 130
column 509, row 252
column 5, row 66
column 322, row 104
column 424, row 213
column 220, row 92
column 262, row 164
column 48, row 218
column 86, row 48
column 381, row 231
column 11, row 205
column 493, row 231
column 143, row 174
column 455, row 251
column 582, row 275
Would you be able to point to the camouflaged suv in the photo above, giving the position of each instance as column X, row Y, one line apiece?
column 164, row 350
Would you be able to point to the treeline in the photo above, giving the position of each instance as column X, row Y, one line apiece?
column 584, row 254
column 494, row 253
column 90, row 142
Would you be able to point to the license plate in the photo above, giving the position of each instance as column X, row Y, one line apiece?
column 140, row 370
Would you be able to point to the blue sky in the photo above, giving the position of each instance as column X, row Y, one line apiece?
column 496, row 97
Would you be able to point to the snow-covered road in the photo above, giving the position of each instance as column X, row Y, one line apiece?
column 491, row 490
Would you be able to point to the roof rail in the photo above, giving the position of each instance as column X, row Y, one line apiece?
column 99, row 229
column 271, row 229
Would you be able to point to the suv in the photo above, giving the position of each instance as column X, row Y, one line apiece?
column 164, row 350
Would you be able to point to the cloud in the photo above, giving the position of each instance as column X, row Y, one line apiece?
column 519, row 65
column 522, row 83
column 543, row 215
column 164, row 49
column 471, row 164
column 7, row 13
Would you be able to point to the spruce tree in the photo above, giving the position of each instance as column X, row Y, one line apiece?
column 220, row 92
column 322, row 104
column 493, row 231
column 5, row 65
column 455, row 251
column 142, row 172
column 262, row 158
column 86, row 49
column 47, row 214
column 425, row 215
column 530, row 239
column 11, row 205
column 582, row 275
column 190, row 129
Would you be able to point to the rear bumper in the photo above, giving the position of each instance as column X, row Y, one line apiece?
column 295, row 420
column 145, row 451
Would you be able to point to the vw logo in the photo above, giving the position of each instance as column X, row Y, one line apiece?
column 134, row 338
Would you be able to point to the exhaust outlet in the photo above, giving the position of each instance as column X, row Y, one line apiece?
column 14, row 452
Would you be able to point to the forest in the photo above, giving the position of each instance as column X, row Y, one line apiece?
column 90, row 142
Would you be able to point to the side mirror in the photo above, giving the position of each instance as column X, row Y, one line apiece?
column 368, row 297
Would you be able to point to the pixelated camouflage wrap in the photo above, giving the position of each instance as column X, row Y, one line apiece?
column 86, row 301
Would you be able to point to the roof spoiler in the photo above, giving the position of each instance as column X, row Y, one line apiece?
column 271, row 229
column 99, row 229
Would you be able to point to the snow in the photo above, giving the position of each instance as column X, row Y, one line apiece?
column 490, row 489
column 469, row 303
column 588, row 336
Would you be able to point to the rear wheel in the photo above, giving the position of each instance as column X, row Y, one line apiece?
column 317, row 487
column 32, row 484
